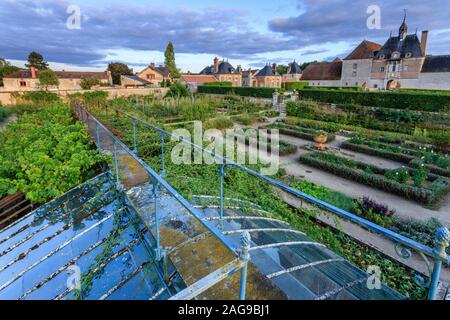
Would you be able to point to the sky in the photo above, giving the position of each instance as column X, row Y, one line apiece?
column 250, row 33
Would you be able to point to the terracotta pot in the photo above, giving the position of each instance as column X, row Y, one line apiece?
column 320, row 141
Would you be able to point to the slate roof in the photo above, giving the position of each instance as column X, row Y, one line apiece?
column 267, row 71
column 162, row 70
column 323, row 71
column 24, row 74
column 295, row 68
column 436, row 64
column 365, row 50
column 224, row 68
column 411, row 45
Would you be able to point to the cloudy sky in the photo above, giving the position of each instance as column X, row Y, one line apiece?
column 247, row 32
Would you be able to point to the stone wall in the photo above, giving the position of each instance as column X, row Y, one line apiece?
column 7, row 98
column 356, row 77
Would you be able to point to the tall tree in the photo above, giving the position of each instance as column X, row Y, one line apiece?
column 36, row 60
column 117, row 69
column 281, row 69
column 169, row 61
column 47, row 78
column 6, row 69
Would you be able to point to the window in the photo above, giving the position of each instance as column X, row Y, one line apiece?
column 354, row 74
column 355, row 66
column 382, row 57
column 382, row 69
column 346, row 84
column 375, row 86
column 23, row 84
column 356, row 84
column 408, row 55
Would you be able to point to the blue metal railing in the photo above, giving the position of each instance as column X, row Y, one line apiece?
column 241, row 252
column 442, row 239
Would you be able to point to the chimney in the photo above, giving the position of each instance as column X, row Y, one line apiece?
column 423, row 43
column 216, row 64
column 33, row 72
column 152, row 64
column 274, row 67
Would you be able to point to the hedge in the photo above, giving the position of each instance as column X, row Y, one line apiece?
column 284, row 148
column 438, row 187
column 412, row 161
column 360, row 89
column 242, row 91
column 433, row 102
column 218, row 84
column 290, row 86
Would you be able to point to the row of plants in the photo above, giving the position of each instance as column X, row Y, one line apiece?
column 425, row 101
column 415, row 184
column 403, row 121
column 301, row 132
column 439, row 138
column 435, row 162
column 201, row 179
column 242, row 91
column 46, row 153
column 254, row 137
column 420, row 231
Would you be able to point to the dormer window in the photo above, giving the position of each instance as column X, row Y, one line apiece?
column 382, row 57
column 395, row 55
column 408, row 55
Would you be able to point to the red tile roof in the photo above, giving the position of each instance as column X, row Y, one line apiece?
column 323, row 71
column 365, row 50
column 198, row 78
column 63, row 74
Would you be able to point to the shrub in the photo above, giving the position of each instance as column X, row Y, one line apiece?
column 218, row 84
column 290, row 86
column 242, row 91
column 434, row 102
column 219, row 123
column 178, row 90
column 88, row 83
column 38, row 97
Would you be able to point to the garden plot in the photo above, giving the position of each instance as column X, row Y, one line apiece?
column 414, row 184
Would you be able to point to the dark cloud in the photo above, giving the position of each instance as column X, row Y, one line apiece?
column 342, row 20
column 41, row 25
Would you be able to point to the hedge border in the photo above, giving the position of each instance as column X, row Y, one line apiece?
column 242, row 91
column 289, row 131
column 437, row 188
column 433, row 102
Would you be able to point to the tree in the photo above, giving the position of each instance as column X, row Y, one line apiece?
column 306, row 64
column 47, row 78
column 36, row 60
column 178, row 90
column 6, row 69
column 88, row 83
column 117, row 69
column 169, row 61
column 281, row 69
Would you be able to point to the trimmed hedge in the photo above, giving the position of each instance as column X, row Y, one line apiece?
column 360, row 89
column 438, row 187
column 242, row 91
column 433, row 102
column 411, row 160
column 290, row 86
column 218, row 84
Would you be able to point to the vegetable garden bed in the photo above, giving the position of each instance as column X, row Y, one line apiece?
column 432, row 188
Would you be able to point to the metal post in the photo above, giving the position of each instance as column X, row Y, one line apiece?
column 116, row 163
column 163, row 156
column 97, row 133
column 441, row 241
column 158, row 250
column 134, row 137
column 244, row 255
column 221, row 174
